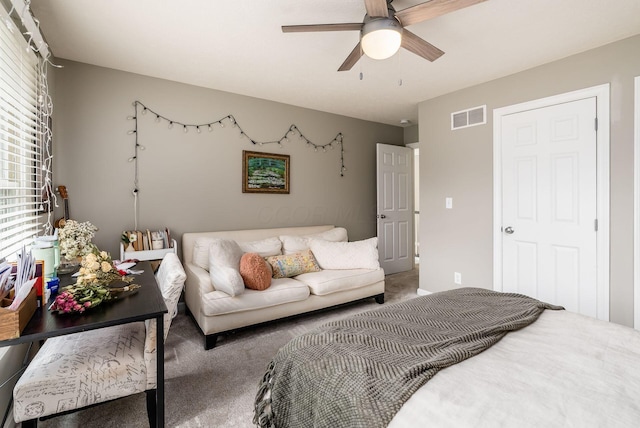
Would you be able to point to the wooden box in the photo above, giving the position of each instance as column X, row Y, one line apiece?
column 13, row 322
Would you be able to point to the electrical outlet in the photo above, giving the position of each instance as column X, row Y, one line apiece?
column 448, row 203
column 457, row 278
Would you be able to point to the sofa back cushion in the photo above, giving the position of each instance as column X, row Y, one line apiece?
column 264, row 247
column 294, row 244
column 189, row 238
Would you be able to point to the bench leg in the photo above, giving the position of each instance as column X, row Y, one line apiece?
column 151, row 407
column 210, row 341
column 380, row 298
column 31, row 423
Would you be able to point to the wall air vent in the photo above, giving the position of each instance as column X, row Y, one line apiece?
column 470, row 117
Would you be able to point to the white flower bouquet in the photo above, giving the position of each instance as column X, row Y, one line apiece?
column 75, row 239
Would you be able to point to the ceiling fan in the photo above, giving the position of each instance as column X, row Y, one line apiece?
column 383, row 32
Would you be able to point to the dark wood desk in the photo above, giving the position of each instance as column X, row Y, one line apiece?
column 147, row 303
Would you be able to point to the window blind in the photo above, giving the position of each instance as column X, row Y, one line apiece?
column 20, row 153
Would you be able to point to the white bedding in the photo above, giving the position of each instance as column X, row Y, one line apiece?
column 564, row 370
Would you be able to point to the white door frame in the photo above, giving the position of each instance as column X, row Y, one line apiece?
column 636, row 200
column 601, row 93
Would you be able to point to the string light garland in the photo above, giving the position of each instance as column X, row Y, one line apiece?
column 292, row 133
column 37, row 44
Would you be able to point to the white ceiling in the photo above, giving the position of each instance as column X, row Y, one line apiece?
column 238, row 46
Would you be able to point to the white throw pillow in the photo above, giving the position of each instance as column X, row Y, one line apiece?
column 265, row 247
column 224, row 266
column 200, row 256
column 294, row 244
column 346, row 255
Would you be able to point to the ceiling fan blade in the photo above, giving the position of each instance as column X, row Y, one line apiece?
column 377, row 8
column 321, row 27
column 351, row 60
column 431, row 9
column 420, row 47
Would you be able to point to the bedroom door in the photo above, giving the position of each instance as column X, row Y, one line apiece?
column 549, row 209
column 395, row 207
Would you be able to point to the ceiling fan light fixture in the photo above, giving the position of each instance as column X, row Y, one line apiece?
column 381, row 38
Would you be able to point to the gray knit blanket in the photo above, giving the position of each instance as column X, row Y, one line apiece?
column 358, row 371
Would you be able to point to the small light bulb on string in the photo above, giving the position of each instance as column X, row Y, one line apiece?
column 221, row 124
column 324, row 150
column 185, row 128
column 315, row 150
column 131, row 159
column 198, row 129
column 210, row 128
column 144, row 110
column 131, row 117
column 131, row 132
column 140, row 147
column 170, row 124
column 157, row 118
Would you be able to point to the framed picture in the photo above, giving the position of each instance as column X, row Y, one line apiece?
column 265, row 172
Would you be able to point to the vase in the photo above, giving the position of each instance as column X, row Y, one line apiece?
column 129, row 248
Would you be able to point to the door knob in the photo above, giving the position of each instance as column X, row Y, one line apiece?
column 508, row 230
column 382, row 216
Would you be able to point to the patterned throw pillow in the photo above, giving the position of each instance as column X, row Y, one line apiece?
column 255, row 271
column 289, row 265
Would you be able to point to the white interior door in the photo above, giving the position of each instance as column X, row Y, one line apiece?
column 549, row 204
column 395, row 207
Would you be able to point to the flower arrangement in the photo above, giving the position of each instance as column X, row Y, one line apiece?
column 75, row 239
column 91, row 287
column 129, row 238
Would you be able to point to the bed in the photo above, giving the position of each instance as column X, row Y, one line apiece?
column 509, row 360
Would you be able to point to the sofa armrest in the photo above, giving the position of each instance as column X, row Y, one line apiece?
column 198, row 279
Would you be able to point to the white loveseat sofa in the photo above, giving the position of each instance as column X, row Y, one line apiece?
column 217, row 312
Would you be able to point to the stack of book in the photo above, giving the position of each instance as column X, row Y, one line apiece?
column 150, row 240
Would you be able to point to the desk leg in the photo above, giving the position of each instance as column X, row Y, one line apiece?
column 160, row 372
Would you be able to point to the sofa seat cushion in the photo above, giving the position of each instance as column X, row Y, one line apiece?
column 282, row 290
column 103, row 364
column 331, row 281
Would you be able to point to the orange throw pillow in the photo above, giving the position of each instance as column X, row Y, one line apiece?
column 255, row 271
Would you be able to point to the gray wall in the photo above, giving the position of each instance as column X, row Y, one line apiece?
column 411, row 134
column 459, row 164
column 192, row 182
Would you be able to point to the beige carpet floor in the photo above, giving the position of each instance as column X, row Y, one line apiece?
column 216, row 388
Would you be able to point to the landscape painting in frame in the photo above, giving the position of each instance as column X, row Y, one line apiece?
column 265, row 172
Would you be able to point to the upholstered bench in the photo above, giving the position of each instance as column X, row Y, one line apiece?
column 79, row 370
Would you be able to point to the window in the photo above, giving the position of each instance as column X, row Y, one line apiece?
column 20, row 151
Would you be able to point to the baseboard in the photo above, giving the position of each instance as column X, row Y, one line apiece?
column 422, row 292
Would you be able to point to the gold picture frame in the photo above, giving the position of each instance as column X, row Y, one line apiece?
column 265, row 172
